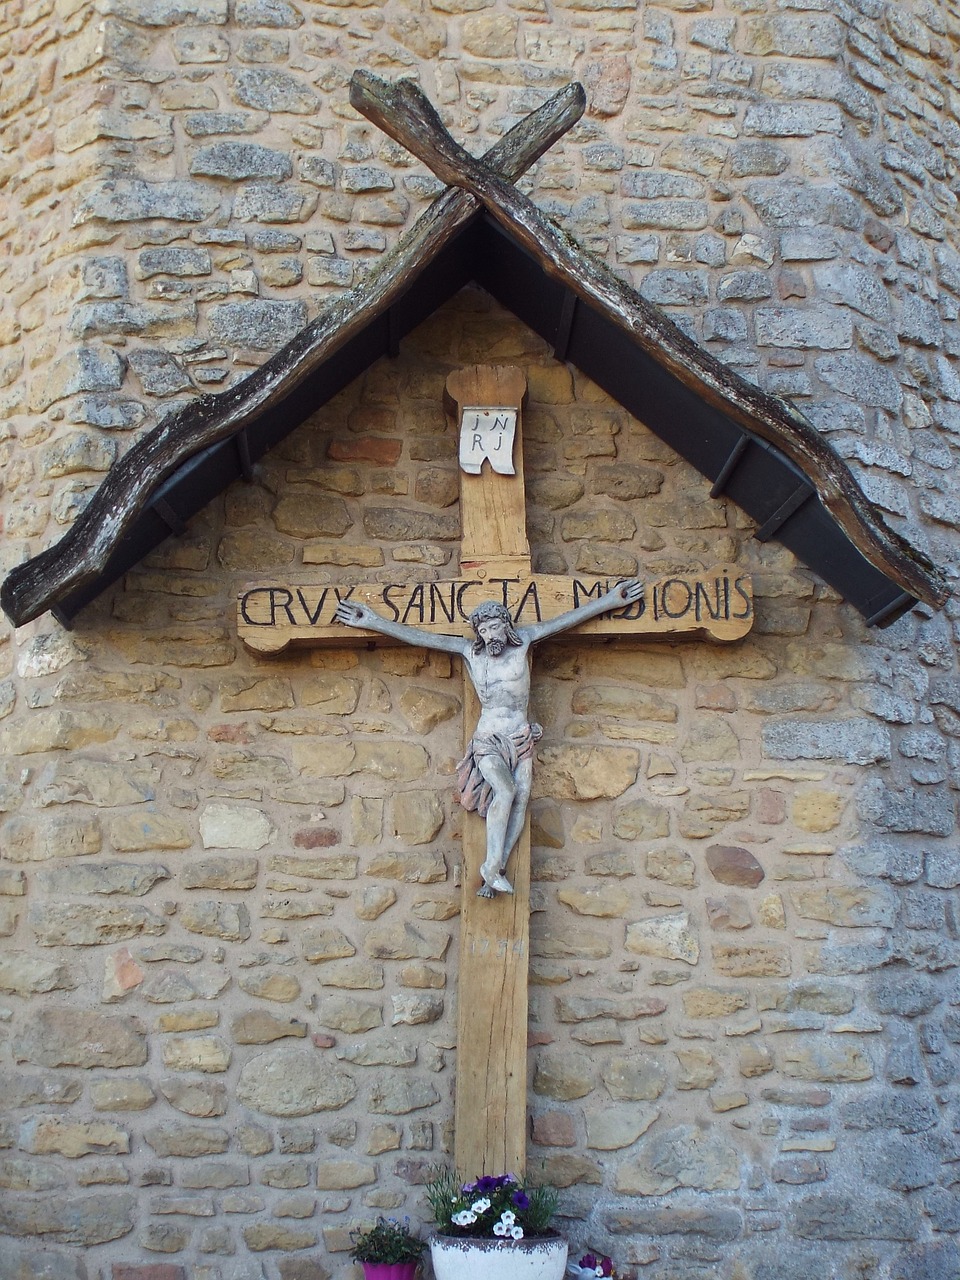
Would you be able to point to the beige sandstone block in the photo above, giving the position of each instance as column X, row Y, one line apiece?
column 373, row 902
column 143, row 831
column 196, row 1053
column 122, row 1093
column 668, row 936
column 419, row 866
column 825, row 1062
column 585, row 773
column 424, row 708
column 759, row 960
column 615, row 1127
column 293, row 1081
column 672, row 866
column 609, row 901
column 771, row 912
column 713, row 1002
column 641, row 820
column 260, row 1027
column 52, row 1135
column 271, row 984
column 564, row 1075
column 698, row 1069
column 348, row 1014
column 417, row 816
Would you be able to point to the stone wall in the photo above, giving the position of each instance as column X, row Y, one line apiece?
column 229, row 885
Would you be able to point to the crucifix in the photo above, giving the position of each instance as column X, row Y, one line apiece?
column 490, row 616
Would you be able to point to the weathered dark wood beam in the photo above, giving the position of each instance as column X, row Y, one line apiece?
column 38, row 585
column 404, row 112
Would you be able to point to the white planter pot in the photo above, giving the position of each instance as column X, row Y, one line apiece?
column 463, row 1258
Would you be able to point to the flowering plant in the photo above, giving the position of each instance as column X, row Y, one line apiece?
column 592, row 1265
column 501, row 1207
column 388, row 1241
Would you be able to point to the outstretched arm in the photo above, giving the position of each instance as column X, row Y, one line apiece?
column 623, row 593
column 353, row 614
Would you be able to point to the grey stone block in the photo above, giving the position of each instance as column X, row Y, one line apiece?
column 271, row 90
column 665, row 215
column 832, row 1216
column 675, row 288
column 159, row 373
column 854, row 741
column 133, row 200
column 205, row 124
column 651, row 184
column 267, row 13
column 173, row 261
column 789, row 203
column 265, row 202
column 907, row 995
column 862, row 379
column 821, row 330
column 744, row 286
column 263, row 324
column 239, row 161
column 792, row 119
column 854, row 286
column 926, row 811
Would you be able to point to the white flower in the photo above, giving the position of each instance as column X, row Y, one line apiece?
column 481, row 1205
column 517, row 1233
column 508, row 1217
column 500, row 1230
column 464, row 1218
column 598, row 1271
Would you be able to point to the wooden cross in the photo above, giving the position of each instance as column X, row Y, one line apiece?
column 491, row 1086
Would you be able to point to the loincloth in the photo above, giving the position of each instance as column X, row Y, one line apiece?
column 473, row 790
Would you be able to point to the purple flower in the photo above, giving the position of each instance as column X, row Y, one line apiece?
column 607, row 1265
column 520, row 1200
column 588, row 1260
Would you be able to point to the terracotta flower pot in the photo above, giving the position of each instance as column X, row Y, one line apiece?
column 465, row 1258
column 389, row 1270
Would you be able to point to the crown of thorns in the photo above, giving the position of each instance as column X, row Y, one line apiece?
column 486, row 612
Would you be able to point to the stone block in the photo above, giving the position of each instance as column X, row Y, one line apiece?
column 681, row 1157
column 240, row 161
column 196, row 1053
column 220, row 873
column 262, row 324
column 733, row 865
column 85, row 1220
column 803, row 330
column 759, row 960
column 52, row 1135
column 398, row 1097
column 635, row 1078
column 85, row 925
column 272, row 90
column 855, row 741
column 670, row 937
column 133, row 200
column 226, row 920
column 292, row 1081
column 226, row 826
column 836, row 1216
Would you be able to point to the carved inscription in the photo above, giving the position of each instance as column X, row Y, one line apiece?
column 718, row 603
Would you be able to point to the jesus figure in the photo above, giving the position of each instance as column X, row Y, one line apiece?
column 495, row 775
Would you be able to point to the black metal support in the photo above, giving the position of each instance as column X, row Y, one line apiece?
column 892, row 610
column 169, row 517
column 784, row 512
column 243, row 454
column 568, row 312
column 731, row 464
column 393, row 333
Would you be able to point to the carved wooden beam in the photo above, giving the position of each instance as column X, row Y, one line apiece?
column 39, row 584
column 403, row 111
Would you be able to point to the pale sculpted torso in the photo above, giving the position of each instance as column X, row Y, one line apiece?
column 502, row 683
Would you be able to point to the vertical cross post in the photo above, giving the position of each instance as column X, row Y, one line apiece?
column 491, row 1097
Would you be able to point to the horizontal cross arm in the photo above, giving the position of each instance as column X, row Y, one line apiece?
column 716, row 603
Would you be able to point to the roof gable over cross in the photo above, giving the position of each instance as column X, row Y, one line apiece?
column 753, row 447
